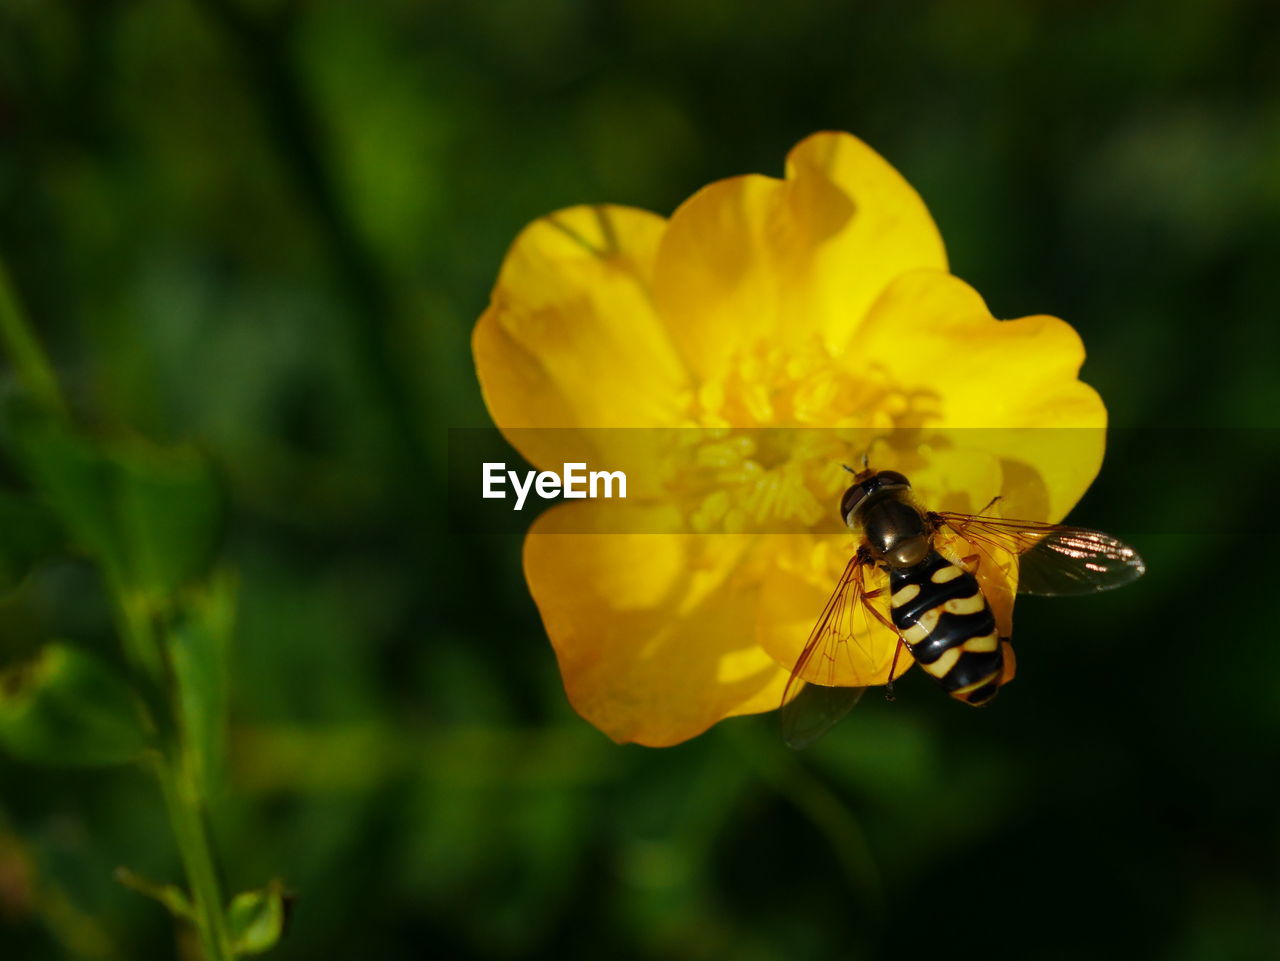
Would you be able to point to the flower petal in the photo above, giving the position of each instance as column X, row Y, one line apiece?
column 570, row 338
column 1006, row 387
column 754, row 257
column 890, row 232
column 655, row 633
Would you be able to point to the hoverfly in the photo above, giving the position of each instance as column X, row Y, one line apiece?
column 935, row 606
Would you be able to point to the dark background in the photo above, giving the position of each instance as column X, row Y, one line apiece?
column 269, row 227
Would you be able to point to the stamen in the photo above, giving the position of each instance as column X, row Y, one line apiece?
column 758, row 475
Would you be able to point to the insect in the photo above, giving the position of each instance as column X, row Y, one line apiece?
column 936, row 606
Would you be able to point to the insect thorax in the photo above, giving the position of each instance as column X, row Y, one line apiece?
column 894, row 529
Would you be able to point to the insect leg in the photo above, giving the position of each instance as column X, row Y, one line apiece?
column 888, row 691
column 893, row 666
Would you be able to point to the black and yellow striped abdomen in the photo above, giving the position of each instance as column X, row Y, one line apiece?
column 948, row 627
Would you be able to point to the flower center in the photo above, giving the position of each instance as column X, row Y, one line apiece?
column 775, row 431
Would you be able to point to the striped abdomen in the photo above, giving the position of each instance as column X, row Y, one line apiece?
column 944, row 618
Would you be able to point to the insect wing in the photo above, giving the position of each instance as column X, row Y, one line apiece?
column 815, row 711
column 809, row 710
column 1053, row 559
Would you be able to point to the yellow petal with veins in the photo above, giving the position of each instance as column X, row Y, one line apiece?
column 571, row 339
column 890, row 232
column 1010, row 388
column 754, row 257
column 655, row 633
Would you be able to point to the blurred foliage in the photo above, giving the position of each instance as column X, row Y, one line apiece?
column 258, row 919
column 264, row 228
column 66, row 707
column 149, row 517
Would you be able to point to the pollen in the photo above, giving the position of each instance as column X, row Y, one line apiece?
column 756, row 457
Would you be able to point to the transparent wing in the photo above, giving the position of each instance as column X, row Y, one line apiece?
column 815, row 711
column 1053, row 559
column 809, row 710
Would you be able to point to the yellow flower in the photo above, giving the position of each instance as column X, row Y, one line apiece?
column 821, row 300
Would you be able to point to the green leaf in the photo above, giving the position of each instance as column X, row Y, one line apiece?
column 150, row 515
column 198, row 642
column 28, row 533
column 170, row 895
column 171, row 509
column 69, row 707
column 257, row 918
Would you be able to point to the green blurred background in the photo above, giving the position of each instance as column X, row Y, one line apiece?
column 268, row 227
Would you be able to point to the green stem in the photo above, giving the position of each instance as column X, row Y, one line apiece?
column 186, row 816
column 181, row 797
column 142, row 646
column 186, row 812
column 24, row 350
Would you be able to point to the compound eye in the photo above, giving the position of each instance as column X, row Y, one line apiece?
column 852, row 498
column 891, row 478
